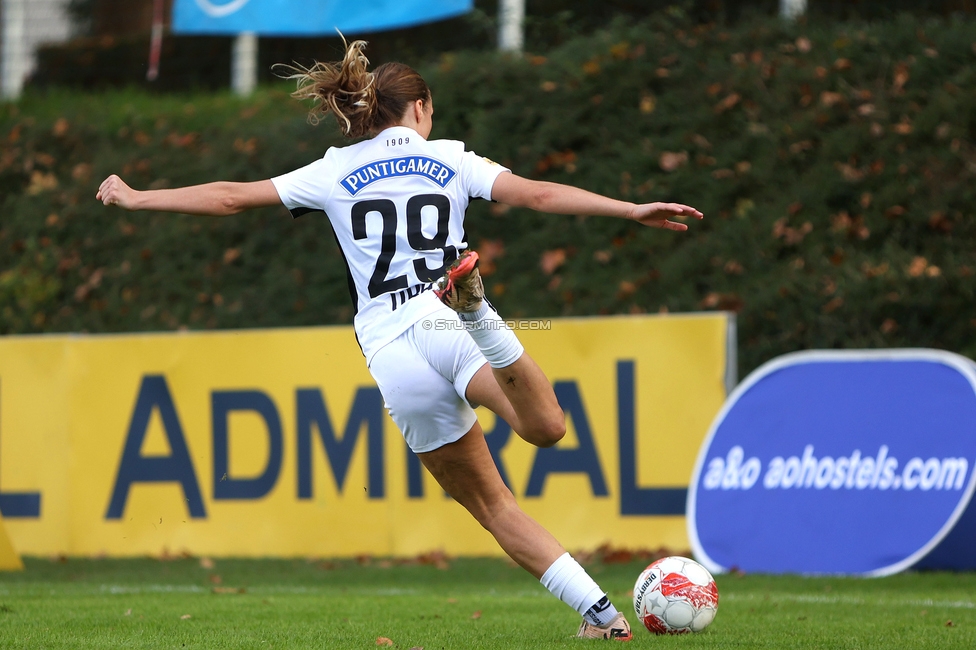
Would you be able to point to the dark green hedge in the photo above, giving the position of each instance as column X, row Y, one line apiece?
column 101, row 60
column 835, row 164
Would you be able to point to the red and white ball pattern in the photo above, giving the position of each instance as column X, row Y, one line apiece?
column 675, row 595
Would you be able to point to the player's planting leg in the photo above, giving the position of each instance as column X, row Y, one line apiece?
column 526, row 399
column 467, row 472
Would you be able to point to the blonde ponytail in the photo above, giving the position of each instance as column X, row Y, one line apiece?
column 362, row 102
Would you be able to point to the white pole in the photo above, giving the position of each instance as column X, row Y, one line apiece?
column 511, row 21
column 14, row 55
column 244, row 65
column 792, row 9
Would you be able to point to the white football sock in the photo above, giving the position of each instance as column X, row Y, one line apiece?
column 497, row 342
column 570, row 583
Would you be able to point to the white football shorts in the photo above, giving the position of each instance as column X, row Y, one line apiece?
column 423, row 375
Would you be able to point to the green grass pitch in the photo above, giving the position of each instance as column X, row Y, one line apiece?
column 462, row 603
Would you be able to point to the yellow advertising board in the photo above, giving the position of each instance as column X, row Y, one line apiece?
column 277, row 443
column 9, row 559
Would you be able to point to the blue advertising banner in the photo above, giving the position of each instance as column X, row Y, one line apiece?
column 841, row 463
column 295, row 18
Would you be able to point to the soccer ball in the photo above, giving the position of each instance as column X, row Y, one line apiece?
column 675, row 595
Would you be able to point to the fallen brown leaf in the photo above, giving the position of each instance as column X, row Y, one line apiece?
column 918, row 267
column 727, row 103
column 488, row 251
column 671, row 160
column 551, row 260
column 828, row 98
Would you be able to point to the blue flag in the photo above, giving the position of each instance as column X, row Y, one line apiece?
column 308, row 18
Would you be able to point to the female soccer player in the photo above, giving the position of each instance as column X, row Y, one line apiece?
column 435, row 347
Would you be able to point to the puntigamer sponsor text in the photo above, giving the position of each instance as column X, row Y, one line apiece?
column 425, row 166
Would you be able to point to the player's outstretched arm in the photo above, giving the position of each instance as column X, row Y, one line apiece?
column 555, row 198
column 212, row 199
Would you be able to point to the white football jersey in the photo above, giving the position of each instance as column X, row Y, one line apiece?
column 396, row 203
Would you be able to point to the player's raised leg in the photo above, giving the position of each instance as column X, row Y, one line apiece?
column 467, row 472
column 514, row 387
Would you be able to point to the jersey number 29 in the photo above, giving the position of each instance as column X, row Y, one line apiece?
column 378, row 282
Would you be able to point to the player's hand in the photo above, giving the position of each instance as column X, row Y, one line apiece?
column 114, row 191
column 658, row 215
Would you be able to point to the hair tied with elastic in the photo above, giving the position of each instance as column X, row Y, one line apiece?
column 362, row 102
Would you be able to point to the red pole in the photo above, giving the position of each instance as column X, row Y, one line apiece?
column 156, row 43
